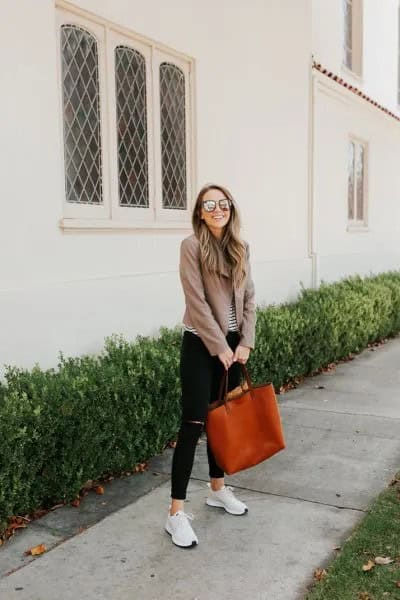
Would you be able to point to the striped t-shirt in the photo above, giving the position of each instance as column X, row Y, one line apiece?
column 232, row 321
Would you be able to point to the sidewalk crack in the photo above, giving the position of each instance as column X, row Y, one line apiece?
column 246, row 489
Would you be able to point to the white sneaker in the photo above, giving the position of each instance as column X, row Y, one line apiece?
column 224, row 498
column 180, row 529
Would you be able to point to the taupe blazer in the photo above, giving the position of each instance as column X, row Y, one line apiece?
column 208, row 299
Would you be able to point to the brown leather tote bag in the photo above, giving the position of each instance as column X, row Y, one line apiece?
column 244, row 427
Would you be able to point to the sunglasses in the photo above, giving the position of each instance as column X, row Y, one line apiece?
column 211, row 205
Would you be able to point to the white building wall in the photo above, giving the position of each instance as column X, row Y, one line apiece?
column 67, row 291
column 380, row 46
column 342, row 251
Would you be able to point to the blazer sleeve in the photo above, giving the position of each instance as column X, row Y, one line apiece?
column 199, row 310
column 249, row 308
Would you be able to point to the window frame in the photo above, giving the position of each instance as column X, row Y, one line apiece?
column 357, row 33
column 358, row 224
column 398, row 55
column 124, row 213
column 169, row 214
column 72, row 209
column 112, row 215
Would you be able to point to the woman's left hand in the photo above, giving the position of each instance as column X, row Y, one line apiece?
column 241, row 354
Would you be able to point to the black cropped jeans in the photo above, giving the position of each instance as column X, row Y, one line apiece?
column 201, row 376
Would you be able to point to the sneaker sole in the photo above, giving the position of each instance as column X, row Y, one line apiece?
column 192, row 545
column 217, row 504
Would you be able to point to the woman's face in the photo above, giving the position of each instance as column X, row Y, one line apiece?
column 218, row 218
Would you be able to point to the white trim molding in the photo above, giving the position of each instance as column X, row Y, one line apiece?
column 360, row 149
column 109, row 214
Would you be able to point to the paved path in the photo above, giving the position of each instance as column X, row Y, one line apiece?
column 343, row 445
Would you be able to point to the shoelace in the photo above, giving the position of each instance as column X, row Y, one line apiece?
column 181, row 521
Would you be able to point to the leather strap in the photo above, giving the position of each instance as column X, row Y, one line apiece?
column 224, row 384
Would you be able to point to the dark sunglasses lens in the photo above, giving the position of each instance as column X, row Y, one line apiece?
column 209, row 205
column 224, row 204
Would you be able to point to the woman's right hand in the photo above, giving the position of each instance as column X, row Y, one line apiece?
column 226, row 358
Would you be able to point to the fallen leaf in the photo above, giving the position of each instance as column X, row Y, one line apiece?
column 337, row 548
column 364, row 596
column 141, row 467
column 320, row 574
column 383, row 560
column 394, row 481
column 99, row 489
column 370, row 565
column 17, row 526
column 36, row 550
column 75, row 502
column 397, row 584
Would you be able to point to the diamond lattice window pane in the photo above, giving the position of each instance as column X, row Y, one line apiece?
column 173, row 136
column 130, row 82
column 81, row 103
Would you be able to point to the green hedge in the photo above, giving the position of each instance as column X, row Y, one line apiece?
column 103, row 414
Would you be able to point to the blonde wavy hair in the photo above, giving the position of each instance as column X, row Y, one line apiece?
column 230, row 250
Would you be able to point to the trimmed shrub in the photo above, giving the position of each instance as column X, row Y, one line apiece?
column 98, row 415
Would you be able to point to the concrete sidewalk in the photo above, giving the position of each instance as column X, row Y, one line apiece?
column 343, row 445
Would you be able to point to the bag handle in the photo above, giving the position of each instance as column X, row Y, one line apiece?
column 224, row 384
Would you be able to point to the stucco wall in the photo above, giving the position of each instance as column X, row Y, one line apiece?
column 66, row 291
column 380, row 46
column 339, row 114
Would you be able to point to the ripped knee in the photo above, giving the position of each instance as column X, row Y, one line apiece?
column 190, row 431
column 200, row 425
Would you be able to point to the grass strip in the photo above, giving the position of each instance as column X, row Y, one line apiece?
column 377, row 535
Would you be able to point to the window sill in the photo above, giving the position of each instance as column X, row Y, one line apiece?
column 357, row 228
column 69, row 224
column 353, row 74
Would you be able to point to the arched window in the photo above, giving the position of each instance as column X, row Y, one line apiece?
column 173, row 136
column 127, row 121
column 81, row 116
column 131, row 102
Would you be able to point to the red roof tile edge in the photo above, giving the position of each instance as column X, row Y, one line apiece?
column 352, row 88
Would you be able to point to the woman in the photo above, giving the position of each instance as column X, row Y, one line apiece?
column 219, row 324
